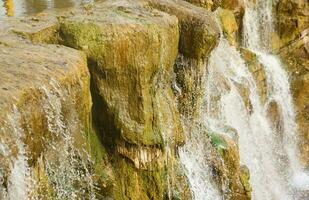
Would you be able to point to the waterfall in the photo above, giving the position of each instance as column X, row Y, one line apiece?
column 258, row 27
column 193, row 156
column 229, row 86
column 19, row 178
column 63, row 170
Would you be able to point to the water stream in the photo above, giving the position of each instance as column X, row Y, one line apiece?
column 232, row 99
column 62, row 171
column 258, row 28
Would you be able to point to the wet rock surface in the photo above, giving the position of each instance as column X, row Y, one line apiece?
column 118, row 78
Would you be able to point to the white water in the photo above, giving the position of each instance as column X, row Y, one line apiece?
column 193, row 156
column 228, row 75
column 66, row 168
column 18, row 187
column 258, row 27
column 270, row 157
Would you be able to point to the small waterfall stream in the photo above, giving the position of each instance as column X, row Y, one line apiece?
column 193, row 156
column 258, row 28
column 228, row 82
column 62, row 172
column 232, row 100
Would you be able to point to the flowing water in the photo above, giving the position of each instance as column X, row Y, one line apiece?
column 258, row 27
column 270, row 152
column 63, row 170
column 193, row 156
column 226, row 106
column 16, row 8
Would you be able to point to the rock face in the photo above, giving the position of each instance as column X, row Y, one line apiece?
column 129, row 78
column 233, row 176
column 292, row 18
column 199, row 35
column 231, row 16
column 131, row 52
column 122, row 120
column 229, row 25
column 45, row 103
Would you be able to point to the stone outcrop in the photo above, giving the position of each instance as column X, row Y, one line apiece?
column 233, row 11
column 199, row 34
column 120, row 120
column 45, row 103
column 292, row 18
column 231, row 173
column 131, row 51
column 131, row 80
column 257, row 70
column 229, row 25
column 236, row 5
column 291, row 43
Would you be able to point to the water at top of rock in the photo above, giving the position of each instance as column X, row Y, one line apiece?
column 17, row 8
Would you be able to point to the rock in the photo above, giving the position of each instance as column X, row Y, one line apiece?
column 129, row 79
column 45, row 103
column 207, row 4
column 237, row 6
column 229, row 25
column 237, row 176
column 257, row 70
column 273, row 113
column 131, row 51
column 292, row 18
column 199, row 31
column 199, row 34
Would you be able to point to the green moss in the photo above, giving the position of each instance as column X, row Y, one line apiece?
column 218, row 142
column 133, row 183
column 100, row 158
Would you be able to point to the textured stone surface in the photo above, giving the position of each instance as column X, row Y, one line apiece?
column 229, row 25
column 130, row 48
column 199, row 31
column 230, row 171
column 45, row 102
column 292, row 18
column 199, row 34
column 131, row 66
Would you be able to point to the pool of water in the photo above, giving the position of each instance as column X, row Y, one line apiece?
column 17, row 8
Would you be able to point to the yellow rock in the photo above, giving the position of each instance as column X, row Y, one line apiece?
column 229, row 25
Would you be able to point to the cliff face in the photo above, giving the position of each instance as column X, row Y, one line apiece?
column 96, row 102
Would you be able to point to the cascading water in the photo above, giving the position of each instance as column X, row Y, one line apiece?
column 18, row 187
column 258, row 27
column 268, row 151
column 65, row 168
column 193, row 156
column 225, row 102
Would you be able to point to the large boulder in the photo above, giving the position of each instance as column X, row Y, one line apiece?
column 45, row 110
column 131, row 53
column 131, row 50
column 229, row 25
